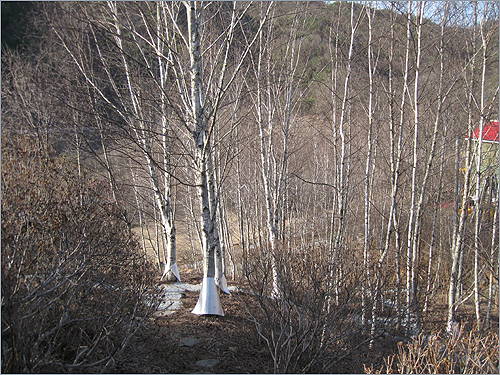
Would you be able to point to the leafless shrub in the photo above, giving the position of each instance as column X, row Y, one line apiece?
column 473, row 352
column 307, row 327
column 73, row 280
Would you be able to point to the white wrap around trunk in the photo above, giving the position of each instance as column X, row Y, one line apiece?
column 208, row 302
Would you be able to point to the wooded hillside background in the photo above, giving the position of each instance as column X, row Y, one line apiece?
column 226, row 135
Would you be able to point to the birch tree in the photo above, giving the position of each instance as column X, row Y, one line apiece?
column 480, row 180
column 366, row 250
column 126, row 99
column 342, row 180
column 472, row 159
column 198, row 125
column 493, row 262
column 276, row 100
column 203, row 85
column 411, row 257
column 163, row 198
column 396, row 142
column 442, row 95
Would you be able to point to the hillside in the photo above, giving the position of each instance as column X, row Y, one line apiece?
column 321, row 158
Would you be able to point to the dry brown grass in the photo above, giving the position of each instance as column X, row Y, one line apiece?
column 466, row 351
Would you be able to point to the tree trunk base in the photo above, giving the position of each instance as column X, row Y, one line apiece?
column 171, row 273
column 208, row 302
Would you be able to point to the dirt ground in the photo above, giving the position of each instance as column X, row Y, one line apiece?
column 232, row 340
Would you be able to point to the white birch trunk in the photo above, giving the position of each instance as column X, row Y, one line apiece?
column 335, row 62
column 442, row 96
column 139, row 210
column 78, row 160
column 457, row 246
column 107, row 161
column 342, row 185
column 437, row 211
column 457, row 249
column 367, row 240
column 479, row 180
column 163, row 202
column 266, row 134
column 395, row 158
column 493, row 261
column 208, row 301
column 412, row 265
column 199, row 113
column 219, row 278
column 273, row 166
column 171, row 271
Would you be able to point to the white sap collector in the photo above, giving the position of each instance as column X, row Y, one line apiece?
column 173, row 268
column 208, row 302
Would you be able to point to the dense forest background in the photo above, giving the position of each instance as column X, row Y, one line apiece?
column 324, row 155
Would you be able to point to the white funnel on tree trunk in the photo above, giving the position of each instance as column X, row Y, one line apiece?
column 172, row 268
column 222, row 284
column 220, row 281
column 208, row 302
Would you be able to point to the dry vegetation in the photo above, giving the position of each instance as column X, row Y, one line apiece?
column 259, row 334
column 466, row 351
column 75, row 287
column 331, row 173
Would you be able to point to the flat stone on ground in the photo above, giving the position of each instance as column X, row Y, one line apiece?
column 171, row 305
column 207, row 363
column 189, row 341
column 163, row 313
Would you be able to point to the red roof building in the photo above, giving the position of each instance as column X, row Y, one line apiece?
column 489, row 152
column 490, row 132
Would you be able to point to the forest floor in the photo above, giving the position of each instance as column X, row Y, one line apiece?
column 177, row 342
column 183, row 342
column 186, row 343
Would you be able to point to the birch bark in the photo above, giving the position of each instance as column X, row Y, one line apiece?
column 366, row 250
column 342, row 187
column 162, row 200
column 493, row 261
column 201, row 117
column 127, row 101
column 480, row 180
column 457, row 249
column 275, row 102
column 411, row 286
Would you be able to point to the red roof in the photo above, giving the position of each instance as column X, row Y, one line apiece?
column 490, row 132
